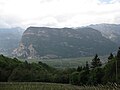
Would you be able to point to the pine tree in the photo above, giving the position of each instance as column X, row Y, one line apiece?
column 96, row 62
column 110, row 57
column 79, row 69
column 118, row 53
column 87, row 66
column 118, row 66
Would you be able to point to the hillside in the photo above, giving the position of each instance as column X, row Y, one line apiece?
column 15, row 70
column 110, row 31
column 9, row 39
column 44, row 42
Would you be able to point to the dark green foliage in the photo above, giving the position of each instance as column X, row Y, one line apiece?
column 31, row 72
column 79, row 78
column 87, row 66
column 96, row 62
column 74, row 78
column 118, row 66
column 61, row 78
column 79, row 69
column 110, row 57
column 96, row 76
column 7, row 65
column 46, row 66
column 118, row 53
column 83, row 77
column 14, row 70
column 110, row 71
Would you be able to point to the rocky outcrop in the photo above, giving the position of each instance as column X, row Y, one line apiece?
column 25, row 52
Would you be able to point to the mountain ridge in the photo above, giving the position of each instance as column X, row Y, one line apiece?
column 110, row 31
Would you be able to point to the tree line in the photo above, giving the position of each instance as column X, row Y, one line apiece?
column 94, row 73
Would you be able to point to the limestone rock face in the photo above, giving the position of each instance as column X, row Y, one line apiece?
column 25, row 52
column 32, row 52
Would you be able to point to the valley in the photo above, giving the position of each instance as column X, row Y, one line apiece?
column 66, row 62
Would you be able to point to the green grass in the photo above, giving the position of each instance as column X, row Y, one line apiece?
column 66, row 62
column 52, row 86
column 36, row 86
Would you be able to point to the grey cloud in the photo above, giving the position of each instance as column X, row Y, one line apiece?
column 4, row 24
column 43, row 1
column 117, row 19
column 64, row 18
column 9, row 21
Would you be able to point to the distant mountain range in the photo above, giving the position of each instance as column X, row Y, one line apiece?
column 44, row 42
column 9, row 39
column 110, row 31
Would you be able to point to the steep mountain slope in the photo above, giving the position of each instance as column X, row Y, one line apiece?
column 43, row 42
column 110, row 31
column 9, row 39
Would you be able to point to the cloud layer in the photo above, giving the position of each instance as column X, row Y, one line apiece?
column 58, row 13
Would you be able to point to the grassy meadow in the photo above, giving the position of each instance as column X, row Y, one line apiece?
column 52, row 86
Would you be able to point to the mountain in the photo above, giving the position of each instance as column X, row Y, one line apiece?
column 110, row 31
column 9, row 39
column 45, row 42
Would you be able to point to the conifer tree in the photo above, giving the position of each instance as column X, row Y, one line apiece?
column 79, row 69
column 96, row 62
column 118, row 53
column 87, row 66
column 110, row 57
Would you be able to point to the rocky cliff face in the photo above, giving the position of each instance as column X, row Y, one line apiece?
column 25, row 52
column 43, row 42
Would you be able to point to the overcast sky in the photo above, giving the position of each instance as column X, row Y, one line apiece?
column 58, row 13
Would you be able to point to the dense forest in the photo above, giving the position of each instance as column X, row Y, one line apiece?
column 94, row 73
